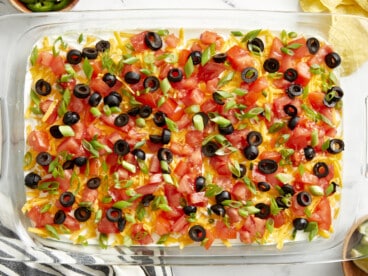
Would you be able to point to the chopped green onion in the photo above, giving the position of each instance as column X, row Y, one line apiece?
column 163, row 239
column 250, row 185
column 165, row 207
column 270, row 225
column 122, row 204
column 163, row 32
column 27, row 160
column 251, row 35
column 198, row 122
column 80, row 38
column 237, row 33
column 312, row 228
column 314, row 136
column 225, row 79
column 52, row 231
column 106, row 199
column 143, row 166
column 45, row 208
column 189, row 67
column 87, row 68
column 284, row 178
column 232, row 203
column 294, row 46
column 95, row 112
column 274, row 208
column 140, row 122
column 275, row 127
column 165, row 86
column 207, row 53
column 193, row 108
column 287, row 51
column 34, row 55
column 248, row 210
column 219, row 120
column 141, row 212
column 316, row 190
column 161, row 101
column 128, row 166
column 168, row 179
column 131, row 60
column 102, row 241
column 240, row 92
column 254, row 112
column 212, row 190
column 171, row 125
column 139, row 144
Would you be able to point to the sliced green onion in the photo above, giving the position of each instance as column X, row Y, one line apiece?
column 316, row 190
column 254, row 112
column 270, row 225
column 165, row 86
column 294, row 46
column 106, row 199
column 163, row 32
column 45, row 208
column 27, row 160
column 48, row 186
column 250, row 185
column 198, row 122
column 52, row 231
column 219, row 120
column 161, row 101
column 287, row 51
column 212, row 190
column 171, row 125
column 275, row 127
column 95, row 112
column 274, row 208
column 80, row 38
column 168, row 179
column 232, row 203
column 251, row 35
column 122, row 204
column 163, row 239
column 87, row 68
column 226, row 79
column 131, row 60
column 312, row 228
column 240, row 92
column 284, row 178
column 140, row 122
column 189, row 67
column 248, row 210
column 107, row 110
column 164, row 207
column 146, row 71
column 143, row 166
column 128, row 166
column 208, row 53
column 141, row 212
column 34, row 55
column 237, row 33
column 314, row 136
column 102, row 241
column 193, row 109
column 139, row 144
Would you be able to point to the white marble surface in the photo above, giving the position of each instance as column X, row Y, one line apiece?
column 279, row 5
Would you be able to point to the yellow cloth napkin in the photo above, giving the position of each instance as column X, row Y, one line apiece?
column 348, row 35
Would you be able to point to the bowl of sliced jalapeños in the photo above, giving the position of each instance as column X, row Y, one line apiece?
column 43, row 5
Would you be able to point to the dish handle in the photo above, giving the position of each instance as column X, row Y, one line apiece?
column 366, row 138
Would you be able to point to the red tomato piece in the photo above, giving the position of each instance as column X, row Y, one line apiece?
column 44, row 58
column 223, row 232
column 186, row 185
column 239, row 58
column 240, row 191
column 89, row 195
column 322, row 214
column 221, row 165
column 275, row 51
column 198, row 199
column 138, row 42
column 57, row 66
column 162, row 225
column 180, row 225
column 72, row 146
column 40, row 219
column 147, row 189
column 71, row 223
column 38, row 140
column 210, row 71
column 208, row 37
column 105, row 226
column 304, row 74
column 172, row 40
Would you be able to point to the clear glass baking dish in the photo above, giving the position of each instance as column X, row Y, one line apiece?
column 18, row 34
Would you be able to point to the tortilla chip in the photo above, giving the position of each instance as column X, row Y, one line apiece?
column 331, row 4
column 363, row 4
column 350, row 42
column 312, row 6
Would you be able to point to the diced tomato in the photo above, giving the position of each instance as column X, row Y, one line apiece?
column 49, row 108
column 40, row 219
column 38, row 140
column 180, row 149
column 162, row 225
column 239, row 58
column 147, row 189
column 240, row 191
column 192, row 97
column 57, row 66
column 275, row 51
column 71, row 145
column 171, row 109
column 118, row 194
column 253, row 227
column 140, row 235
column 194, row 138
column 233, row 215
column 180, row 225
column 210, row 71
column 105, row 226
column 89, row 195
column 208, row 37
column 183, row 57
column 319, row 57
column 98, row 85
column 138, row 42
column 273, row 155
column 322, row 214
column 304, row 74
column 302, row 51
column 183, row 122
column 71, row 223
column 182, row 168
column 44, row 58
column 223, row 232
column 155, row 166
column 255, row 91
column 64, row 181
column 198, row 199
column 186, row 185
column 279, row 219
column 172, row 40
column 299, row 138
column 77, row 105
column 221, row 165
column 173, row 196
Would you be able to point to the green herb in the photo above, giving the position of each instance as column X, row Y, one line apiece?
column 312, row 228
column 212, row 190
column 106, row 199
column 270, row 225
column 232, row 203
column 193, row 109
column 226, row 79
column 139, row 144
column 208, row 53
column 102, row 240
column 316, row 190
column 143, row 166
column 314, row 136
column 240, row 92
column 87, row 68
column 248, row 210
column 64, row 102
column 171, row 125
column 250, row 185
column 122, row 204
column 189, row 67
column 141, row 212
column 275, row 127
column 284, row 178
column 165, row 86
column 218, row 119
column 274, row 208
column 128, row 166
column 254, row 112
column 80, row 38
column 163, row 239
column 55, row 168
column 163, row 32
column 251, row 35
column 130, row 60
column 95, row 112
column 34, row 55
column 287, row 51
column 52, row 231
column 45, row 208
column 237, row 33
column 198, row 122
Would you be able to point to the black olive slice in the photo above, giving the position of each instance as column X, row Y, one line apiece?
column 80, row 161
column 218, row 209
column 71, row 118
column 146, row 199
column 267, row 166
column 90, row 53
column 199, row 183
column 139, row 154
column 134, row 111
column 242, row 171
column 81, row 91
column 197, row 233
column 109, row 79
column 283, row 202
column 121, row 120
column 113, row 99
column 188, row 210
column 145, row 111
column 264, row 210
column 255, row 45
column 204, row 116
column 151, row 83
column 218, row 98
column 121, row 147
column 102, row 45
column 210, row 149
column 166, row 136
column 254, row 138
column 165, row 154
column 68, row 165
column 309, row 153
column 55, row 132
column 196, row 57
column 132, row 77
column 82, row 214
column 42, row 87
column 94, row 99
column 59, row 217
column 74, row 56
column 67, row 199
column 43, row 158
column 113, row 214
column 304, row 198
column 224, row 195
column 332, row 60
column 249, row 74
column 153, row 41
column 121, row 224
column 290, row 74
column 156, row 139
column 175, row 75
column 312, row 45
column 320, row 169
column 263, row 186
column 220, row 57
column 159, row 118
column 251, row 152
column 94, row 183
column 294, row 90
column 333, row 95
column 293, row 122
column 271, row 65
column 288, row 189
column 300, row 223
column 31, row 180
column 336, row 146
column 290, row 110
column 226, row 130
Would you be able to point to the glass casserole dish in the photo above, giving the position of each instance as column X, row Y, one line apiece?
column 28, row 29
